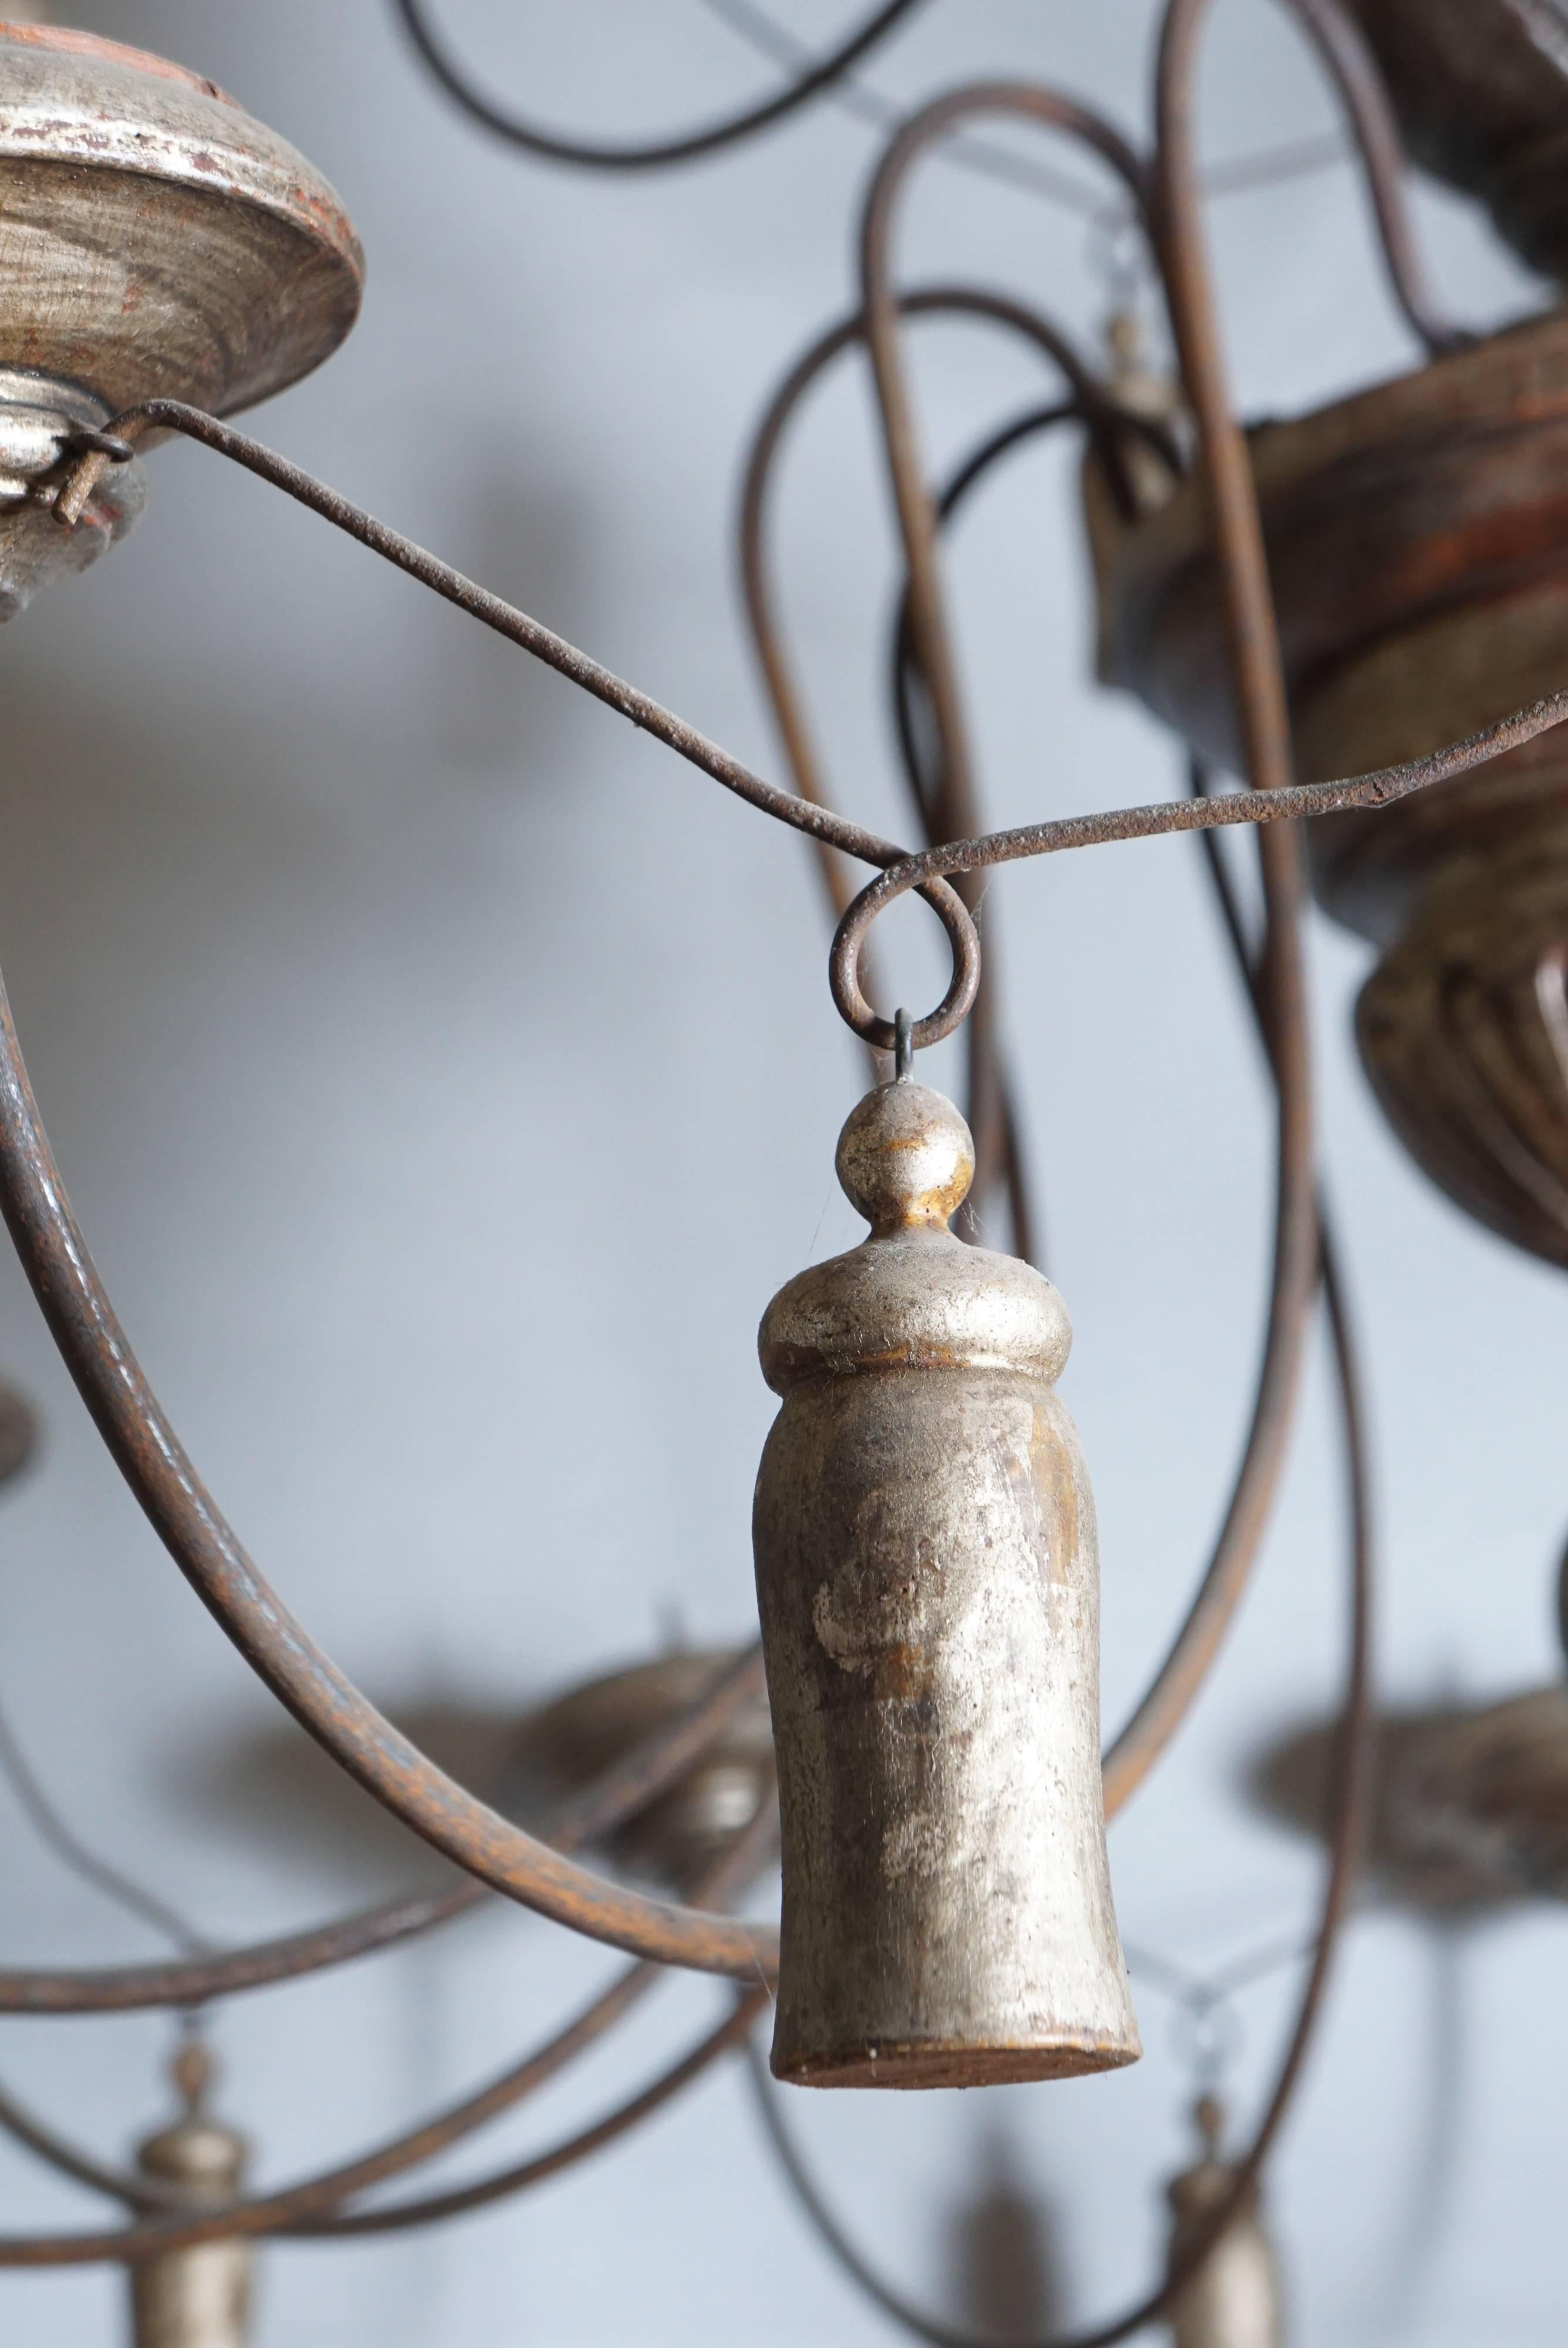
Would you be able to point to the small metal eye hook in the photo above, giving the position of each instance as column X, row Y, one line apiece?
column 102, row 444
column 903, row 1046
column 1212, row 2036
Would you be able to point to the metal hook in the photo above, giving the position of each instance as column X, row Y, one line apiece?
column 903, row 1046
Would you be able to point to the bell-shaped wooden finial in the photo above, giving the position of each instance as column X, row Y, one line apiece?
column 200, row 2297
column 928, row 1582
column 1235, row 2300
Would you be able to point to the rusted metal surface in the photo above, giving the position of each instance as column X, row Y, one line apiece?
column 1481, row 90
column 299, row 2206
column 1160, row 817
column 1343, row 50
column 927, row 1579
column 155, row 239
column 600, row 1807
column 436, row 2208
column 951, row 810
column 553, row 146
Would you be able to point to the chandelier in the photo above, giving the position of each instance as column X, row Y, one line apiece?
column 1351, row 621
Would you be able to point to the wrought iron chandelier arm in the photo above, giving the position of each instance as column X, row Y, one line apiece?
column 1185, row 1667
column 597, row 155
column 297, row 2210
column 144, row 1446
column 432, row 2208
column 100, row 449
column 1347, row 56
column 783, row 694
column 913, row 501
column 121, row 1989
column 309, row 2198
column 618, row 1792
column 265, row 2213
column 137, row 2192
column 1158, row 818
column 1088, row 401
column 950, row 809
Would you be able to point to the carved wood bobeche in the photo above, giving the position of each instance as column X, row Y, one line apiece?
column 156, row 241
column 1418, row 548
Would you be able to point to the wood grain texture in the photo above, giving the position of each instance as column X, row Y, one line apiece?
column 155, row 239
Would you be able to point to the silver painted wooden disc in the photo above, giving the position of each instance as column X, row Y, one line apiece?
column 155, row 239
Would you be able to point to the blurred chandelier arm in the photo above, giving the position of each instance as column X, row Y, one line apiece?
column 632, row 154
column 618, row 1794
column 149, row 1454
column 291, row 2210
column 1347, row 57
column 953, row 808
column 309, row 2198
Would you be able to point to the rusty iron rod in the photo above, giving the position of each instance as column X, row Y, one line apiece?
column 310, row 2198
column 555, row 146
column 953, row 810
column 435, row 2208
column 1159, row 818
column 618, row 1794
column 1347, row 57
column 53, row 1250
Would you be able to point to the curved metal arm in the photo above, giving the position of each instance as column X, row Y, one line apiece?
column 140, row 1438
column 309, row 2198
column 954, row 810
column 616, row 1795
column 286, row 2212
column 989, row 1080
column 552, row 146
column 1347, row 56
column 409, row 2150
column 912, row 497
column 461, row 2198
column 278, row 1648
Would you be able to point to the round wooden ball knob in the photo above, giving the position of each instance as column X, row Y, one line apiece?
column 905, row 1159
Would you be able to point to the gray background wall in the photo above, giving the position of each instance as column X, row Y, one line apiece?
column 348, row 948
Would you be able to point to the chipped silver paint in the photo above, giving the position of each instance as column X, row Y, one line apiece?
column 928, row 1580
